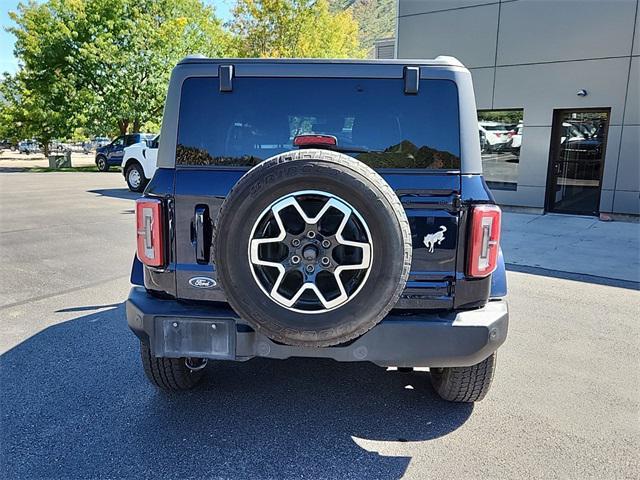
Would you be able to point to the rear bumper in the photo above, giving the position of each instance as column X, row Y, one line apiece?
column 448, row 339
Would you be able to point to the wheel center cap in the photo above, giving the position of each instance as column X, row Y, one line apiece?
column 310, row 253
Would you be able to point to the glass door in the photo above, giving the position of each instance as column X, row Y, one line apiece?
column 578, row 143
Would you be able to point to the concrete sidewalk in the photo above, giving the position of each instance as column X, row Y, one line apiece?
column 14, row 160
column 567, row 243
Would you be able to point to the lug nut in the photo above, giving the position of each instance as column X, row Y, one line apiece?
column 325, row 261
column 295, row 259
column 295, row 242
column 311, row 234
column 309, row 268
column 326, row 243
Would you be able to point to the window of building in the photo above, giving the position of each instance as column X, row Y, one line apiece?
column 501, row 134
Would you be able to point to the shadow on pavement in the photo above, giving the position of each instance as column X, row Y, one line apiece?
column 87, row 308
column 75, row 404
column 116, row 193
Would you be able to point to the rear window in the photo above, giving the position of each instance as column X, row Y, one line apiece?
column 130, row 140
column 372, row 120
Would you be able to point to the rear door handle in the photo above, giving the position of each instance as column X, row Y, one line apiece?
column 202, row 245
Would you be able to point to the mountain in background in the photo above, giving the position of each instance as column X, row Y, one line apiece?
column 376, row 18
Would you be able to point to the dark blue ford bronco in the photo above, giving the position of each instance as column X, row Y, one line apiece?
column 330, row 209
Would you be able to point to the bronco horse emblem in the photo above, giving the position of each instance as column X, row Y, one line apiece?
column 433, row 238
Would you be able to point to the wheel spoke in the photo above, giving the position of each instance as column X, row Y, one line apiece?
column 254, row 251
column 272, row 287
column 327, row 304
column 256, row 242
column 364, row 246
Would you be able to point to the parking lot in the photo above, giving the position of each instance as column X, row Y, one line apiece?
column 74, row 402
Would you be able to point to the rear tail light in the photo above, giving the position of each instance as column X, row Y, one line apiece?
column 149, row 231
column 485, row 240
column 511, row 133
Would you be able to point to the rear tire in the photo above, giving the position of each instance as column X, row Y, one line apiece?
column 134, row 175
column 356, row 188
column 464, row 384
column 101, row 163
column 169, row 374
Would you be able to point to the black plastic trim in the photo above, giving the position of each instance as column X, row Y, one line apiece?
column 225, row 73
column 417, row 339
column 411, row 80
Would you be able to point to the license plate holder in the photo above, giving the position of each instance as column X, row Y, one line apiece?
column 195, row 337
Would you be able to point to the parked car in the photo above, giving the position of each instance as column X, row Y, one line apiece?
column 112, row 154
column 101, row 141
column 515, row 137
column 320, row 249
column 59, row 146
column 28, row 146
column 7, row 144
column 496, row 136
column 139, row 163
column 581, row 150
column 95, row 143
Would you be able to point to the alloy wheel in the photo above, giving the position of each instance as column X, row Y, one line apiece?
column 310, row 251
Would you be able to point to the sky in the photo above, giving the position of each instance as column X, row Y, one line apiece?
column 8, row 62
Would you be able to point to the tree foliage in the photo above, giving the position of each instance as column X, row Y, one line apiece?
column 29, row 107
column 116, row 54
column 506, row 116
column 103, row 66
column 294, row 29
column 375, row 17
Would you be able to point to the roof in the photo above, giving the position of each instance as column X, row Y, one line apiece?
column 438, row 61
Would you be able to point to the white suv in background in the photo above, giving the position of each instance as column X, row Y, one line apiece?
column 496, row 136
column 139, row 163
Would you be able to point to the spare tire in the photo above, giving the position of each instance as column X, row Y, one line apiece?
column 312, row 247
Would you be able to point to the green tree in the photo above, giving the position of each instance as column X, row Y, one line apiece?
column 116, row 54
column 294, row 29
column 28, row 107
column 506, row 116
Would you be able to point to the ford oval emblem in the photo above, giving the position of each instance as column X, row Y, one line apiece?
column 202, row 282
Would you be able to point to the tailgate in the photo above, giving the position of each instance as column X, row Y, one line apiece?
column 430, row 201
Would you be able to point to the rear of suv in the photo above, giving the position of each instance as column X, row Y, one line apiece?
column 328, row 209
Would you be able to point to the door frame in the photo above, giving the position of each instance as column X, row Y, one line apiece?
column 554, row 148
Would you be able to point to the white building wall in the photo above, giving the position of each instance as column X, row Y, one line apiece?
column 535, row 55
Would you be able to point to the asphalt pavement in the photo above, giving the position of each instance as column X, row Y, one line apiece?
column 74, row 402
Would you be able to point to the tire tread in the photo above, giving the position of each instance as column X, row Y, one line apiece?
column 170, row 374
column 465, row 384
